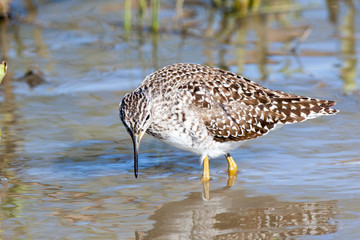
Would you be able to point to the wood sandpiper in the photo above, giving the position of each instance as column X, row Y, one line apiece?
column 210, row 111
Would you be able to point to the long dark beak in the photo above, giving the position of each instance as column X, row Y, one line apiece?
column 136, row 142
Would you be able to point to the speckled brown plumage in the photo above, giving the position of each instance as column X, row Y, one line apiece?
column 209, row 111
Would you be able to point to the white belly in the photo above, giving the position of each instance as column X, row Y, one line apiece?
column 201, row 144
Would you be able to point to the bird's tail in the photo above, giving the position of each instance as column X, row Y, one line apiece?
column 293, row 110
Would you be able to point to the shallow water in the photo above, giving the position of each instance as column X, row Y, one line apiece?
column 66, row 160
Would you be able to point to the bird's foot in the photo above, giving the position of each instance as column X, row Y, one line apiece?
column 205, row 178
column 232, row 169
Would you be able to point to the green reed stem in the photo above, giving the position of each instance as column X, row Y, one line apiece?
column 155, row 15
column 127, row 15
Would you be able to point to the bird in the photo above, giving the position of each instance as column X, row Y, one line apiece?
column 210, row 111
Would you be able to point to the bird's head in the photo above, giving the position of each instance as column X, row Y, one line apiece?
column 135, row 113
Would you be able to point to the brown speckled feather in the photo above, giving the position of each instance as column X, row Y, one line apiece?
column 235, row 109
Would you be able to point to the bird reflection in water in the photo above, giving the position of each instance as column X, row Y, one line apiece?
column 234, row 215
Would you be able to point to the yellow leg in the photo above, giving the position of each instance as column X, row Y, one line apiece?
column 232, row 165
column 232, row 168
column 206, row 174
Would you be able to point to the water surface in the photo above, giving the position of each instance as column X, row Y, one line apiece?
column 66, row 161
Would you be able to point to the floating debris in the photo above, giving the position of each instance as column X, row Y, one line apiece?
column 33, row 78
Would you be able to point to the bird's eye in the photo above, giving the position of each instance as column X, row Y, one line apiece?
column 148, row 117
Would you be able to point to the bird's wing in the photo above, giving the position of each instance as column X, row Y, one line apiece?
column 234, row 108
